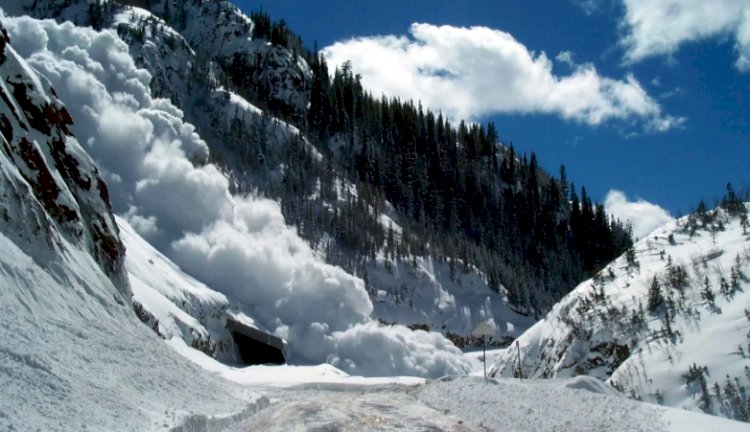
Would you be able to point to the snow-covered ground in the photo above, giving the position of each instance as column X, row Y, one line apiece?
column 321, row 398
column 577, row 404
column 72, row 358
column 337, row 408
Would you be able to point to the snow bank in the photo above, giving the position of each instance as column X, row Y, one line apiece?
column 155, row 165
column 72, row 358
column 593, row 385
column 552, row 405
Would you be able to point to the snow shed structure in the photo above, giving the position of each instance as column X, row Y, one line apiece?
column 256, row 347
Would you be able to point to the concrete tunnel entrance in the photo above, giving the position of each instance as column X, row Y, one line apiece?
column 256, row 347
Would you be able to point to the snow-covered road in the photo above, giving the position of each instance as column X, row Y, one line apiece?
column 471, row 404
column 351, row 408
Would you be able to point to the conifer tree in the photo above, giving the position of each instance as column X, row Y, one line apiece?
column 706, row 293
column 655, row 298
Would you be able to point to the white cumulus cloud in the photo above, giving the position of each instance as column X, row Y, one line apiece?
column 472, row 72
column 660, row 27
column 565, row 57
column 643, row 215
column 238, row 245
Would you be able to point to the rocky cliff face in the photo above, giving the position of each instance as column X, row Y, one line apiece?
column 50, row 187
column 53, row 199
column 191, row 47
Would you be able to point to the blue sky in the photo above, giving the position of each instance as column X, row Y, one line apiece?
column 663, row 115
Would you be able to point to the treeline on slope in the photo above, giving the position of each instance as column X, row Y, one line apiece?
column 460, row 182
column 732, row 202
column 276, row 32
column 461, row 195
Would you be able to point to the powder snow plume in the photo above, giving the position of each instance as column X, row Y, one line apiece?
column 156, row 167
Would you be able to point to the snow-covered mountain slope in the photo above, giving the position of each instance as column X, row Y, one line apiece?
column 172, row 303
column 220, row 31
column 452, row 299
column 210, row 39
column 443, row 297
column 73, row 355
column 668, row 322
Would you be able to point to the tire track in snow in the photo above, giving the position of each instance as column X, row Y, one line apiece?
column 353, row 409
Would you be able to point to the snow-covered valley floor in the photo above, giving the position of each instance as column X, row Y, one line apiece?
column 323, row 398
column 465, row 404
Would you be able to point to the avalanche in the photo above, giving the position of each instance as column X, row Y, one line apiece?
column 155, row 165
column 189, row 67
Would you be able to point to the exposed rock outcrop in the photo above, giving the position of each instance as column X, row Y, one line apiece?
column 49, row 186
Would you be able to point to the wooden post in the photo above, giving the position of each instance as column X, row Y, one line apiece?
column 484, row 357
column 520, row 370
column 484, row 329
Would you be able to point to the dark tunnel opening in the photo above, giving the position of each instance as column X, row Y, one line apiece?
column 254, row 352
column 256, row 347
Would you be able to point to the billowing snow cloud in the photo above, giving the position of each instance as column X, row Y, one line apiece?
column 238, row 245
column 659, row 27
column 472, row 72
column 643, row 215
